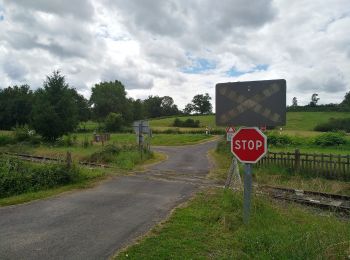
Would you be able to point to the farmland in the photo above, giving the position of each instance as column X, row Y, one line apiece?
column 296, row 121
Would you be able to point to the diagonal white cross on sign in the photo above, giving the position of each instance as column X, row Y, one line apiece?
column 250, row 103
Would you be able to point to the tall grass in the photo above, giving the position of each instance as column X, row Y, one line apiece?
column 18, row 177
column 211, row 227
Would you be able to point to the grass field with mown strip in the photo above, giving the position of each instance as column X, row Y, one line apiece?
column 210, row 227
column 300, row 121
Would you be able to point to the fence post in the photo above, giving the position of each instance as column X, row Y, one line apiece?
column 297, row 160
column 69, row 159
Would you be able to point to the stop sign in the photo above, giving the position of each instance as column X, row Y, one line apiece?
column 249, row 144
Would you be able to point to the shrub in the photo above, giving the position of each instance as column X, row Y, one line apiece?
column 114, row 122
column 330, row 139
column 6, row 139
column 106, row 155
column 21, row 133
column 334, row 124
column 67, row 140
column 18, row 177
column 189, row 122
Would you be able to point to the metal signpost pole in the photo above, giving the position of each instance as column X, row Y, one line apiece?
column 247, row 192
column 140, row 138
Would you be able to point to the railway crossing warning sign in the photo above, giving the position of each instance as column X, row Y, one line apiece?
column 229, row 133
column 251, row 103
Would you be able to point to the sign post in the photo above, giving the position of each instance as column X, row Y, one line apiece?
column 250, row 103
column 141, row 127
column 249, row 145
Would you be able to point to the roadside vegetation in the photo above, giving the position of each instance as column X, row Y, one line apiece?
column 210, row 227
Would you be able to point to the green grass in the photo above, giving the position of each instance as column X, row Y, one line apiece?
column 308, row 120
column 210, row 227
column 297, row 121
column 178, row 139
column 205, row 120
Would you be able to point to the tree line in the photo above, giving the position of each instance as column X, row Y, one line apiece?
column 56, row 108
column 313, row 106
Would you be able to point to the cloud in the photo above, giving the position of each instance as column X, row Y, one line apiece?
column 176, row 47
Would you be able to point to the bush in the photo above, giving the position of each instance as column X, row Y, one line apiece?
column 18, row 177
column 189, row 122
column 6, row 139
column 21, row 133
column 334, row 124
column 67, row 140
column 114, row 122
column 330, row 139
column 124, row 156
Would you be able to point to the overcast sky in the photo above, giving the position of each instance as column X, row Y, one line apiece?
column 178, row 48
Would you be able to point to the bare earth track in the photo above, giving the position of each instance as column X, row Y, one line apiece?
column 94, row 223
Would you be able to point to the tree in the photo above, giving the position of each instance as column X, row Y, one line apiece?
column 295, row 102
column 55, row 111
column 188, row 109
column 314, row 100
column 168, row 107
column 84, row 113
column 346, row 101
column 110, row 97
column 15, row 106
column 200, row 104
column 138, row 110
column 153, row 106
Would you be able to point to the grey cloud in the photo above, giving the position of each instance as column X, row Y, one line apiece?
column 14, row 70
column 206, row 19
column 329, row 85
column 158, row 17
column 81, row 9
column 130, row 78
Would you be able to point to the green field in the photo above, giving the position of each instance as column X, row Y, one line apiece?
column 297, row 121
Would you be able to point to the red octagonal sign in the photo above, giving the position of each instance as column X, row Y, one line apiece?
column 249, row 144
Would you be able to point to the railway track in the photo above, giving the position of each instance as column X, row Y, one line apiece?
column 334, row 202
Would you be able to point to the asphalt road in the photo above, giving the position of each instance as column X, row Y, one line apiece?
column 95, row 223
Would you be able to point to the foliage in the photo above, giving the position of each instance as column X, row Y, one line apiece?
column 155, row 106
column 200, row 104
column 84, row 113
column 210, row 226
column 113, row 122
column 15, row 106
column 314, row 100
column 330, row 139
column 6, row 139
column 346, row 101
column 124, row 156
column 55, row 112
column 67, row 140
column 189, row 122
column 110, row 97
column 18, row 177
column 295, row 102
column 334, row 124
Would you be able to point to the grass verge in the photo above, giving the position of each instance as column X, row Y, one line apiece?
column 89, row 178
column 210, row 227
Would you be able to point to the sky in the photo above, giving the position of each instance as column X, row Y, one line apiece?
column 178, row 48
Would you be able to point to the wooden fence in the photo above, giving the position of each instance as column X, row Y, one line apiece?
column 319, row 165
